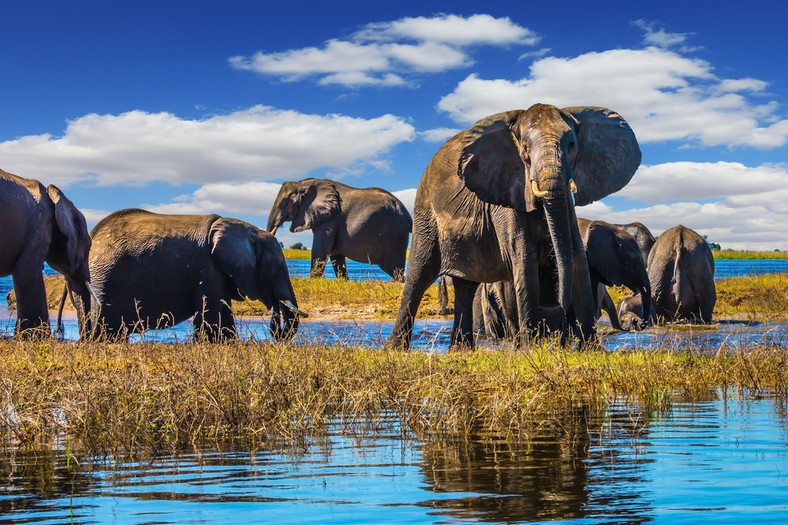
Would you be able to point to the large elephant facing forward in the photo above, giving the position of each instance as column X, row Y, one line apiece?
column 40, row 224
column 153, row 271
column 367, row 225
column 495, row 203
column 681, row 271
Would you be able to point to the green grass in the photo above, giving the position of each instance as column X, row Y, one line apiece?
column 297, row 255
column 737, row 254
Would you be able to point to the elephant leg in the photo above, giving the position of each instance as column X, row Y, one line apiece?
column 423, row 270
column 340, row 267
column 215, row 324
column 322, row 245
column 32, row 313
column 462, row 330
column 518, row 250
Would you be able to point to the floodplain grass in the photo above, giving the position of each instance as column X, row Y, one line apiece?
column 744, row 254
column 143, row 400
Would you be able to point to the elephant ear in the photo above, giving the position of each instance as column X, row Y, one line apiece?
column 608, row 153
column 233, row 252
column 320, row 203
column 490, row 164
column 71, row 223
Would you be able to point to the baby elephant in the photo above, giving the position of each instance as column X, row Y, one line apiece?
column 152, row 271
column 681, row 271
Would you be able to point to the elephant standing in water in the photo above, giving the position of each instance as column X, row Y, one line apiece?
column 681, row 271
column 614, row 259
column 495, row 203
column 40, row 224
column 152, row 271
column 368, row 225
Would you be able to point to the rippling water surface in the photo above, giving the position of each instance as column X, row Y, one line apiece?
column 720, row 461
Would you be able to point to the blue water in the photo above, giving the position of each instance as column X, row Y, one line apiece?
column 434, row 334
column 724, row 460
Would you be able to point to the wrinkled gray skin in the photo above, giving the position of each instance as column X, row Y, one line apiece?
column 495, row 204
column 40, row 224
column 368, row 225
column 642, row 235
column 681, row 271
column 614, row 259
column 152, row 271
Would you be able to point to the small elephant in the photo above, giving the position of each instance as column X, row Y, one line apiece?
column 152, row 271
column 631, row 315
column 613, row 260
column 681, row 271
column 368, row 225
column 497, row 202
column 40, row 224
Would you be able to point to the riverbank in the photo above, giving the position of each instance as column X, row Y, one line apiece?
column 141, row 400
column 755, row 298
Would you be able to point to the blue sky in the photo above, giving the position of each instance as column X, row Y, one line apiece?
column 207, row 107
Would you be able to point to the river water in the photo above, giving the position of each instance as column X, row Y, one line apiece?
column 722, row 460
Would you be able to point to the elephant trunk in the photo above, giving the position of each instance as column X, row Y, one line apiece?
column 81, row 293
column 285, row 315
column 275, row 217
column 556, row 209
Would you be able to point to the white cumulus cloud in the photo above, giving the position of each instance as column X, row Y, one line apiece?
column 260, row 143
column 390, row 53
column 664, row 95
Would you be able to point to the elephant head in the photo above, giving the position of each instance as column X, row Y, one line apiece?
column 306, row 203
column 69, row 253
column 614, row 258
column 254, row 262
column 535, row 159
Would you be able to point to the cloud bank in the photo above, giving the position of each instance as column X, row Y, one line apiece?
column 390, row 53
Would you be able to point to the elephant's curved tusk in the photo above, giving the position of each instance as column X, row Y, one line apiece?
column 92, row 293
column 537, row 192
column 293, row 308
column 273, row 230
column 572, row 185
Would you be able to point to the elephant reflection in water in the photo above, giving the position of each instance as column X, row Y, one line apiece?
column 552, row 470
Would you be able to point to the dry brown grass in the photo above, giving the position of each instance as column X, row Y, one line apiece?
column 144, row 400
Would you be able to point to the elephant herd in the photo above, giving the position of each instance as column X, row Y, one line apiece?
column 494, row 211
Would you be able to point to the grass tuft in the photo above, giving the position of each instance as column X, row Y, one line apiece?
column 143, row 400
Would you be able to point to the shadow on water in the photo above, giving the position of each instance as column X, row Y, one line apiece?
column 720, row 460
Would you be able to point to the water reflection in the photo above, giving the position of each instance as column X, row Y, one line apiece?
column 721, row 461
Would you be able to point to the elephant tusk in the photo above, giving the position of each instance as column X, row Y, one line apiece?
column 293, row 308
column 537, row 192
column 572, row 185
column 92, row 293
column 273, row 230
